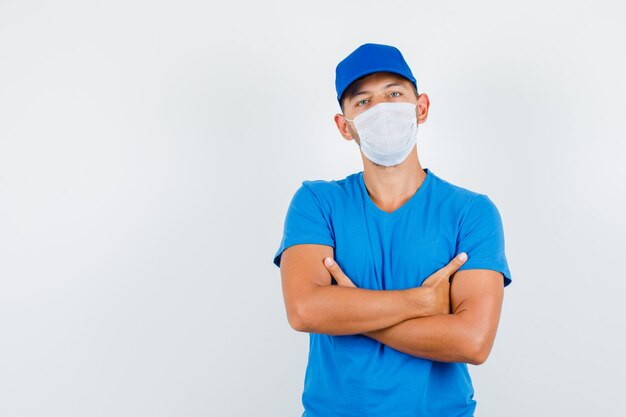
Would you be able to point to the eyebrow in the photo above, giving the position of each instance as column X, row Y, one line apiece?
column 358, row 93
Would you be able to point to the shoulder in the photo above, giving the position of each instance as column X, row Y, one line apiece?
column 465, row 200
column 326, row 196
column 325, row 190
column 447, row 190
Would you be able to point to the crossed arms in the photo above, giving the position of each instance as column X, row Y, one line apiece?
column 442, row 321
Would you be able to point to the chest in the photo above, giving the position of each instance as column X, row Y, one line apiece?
column 394, row 252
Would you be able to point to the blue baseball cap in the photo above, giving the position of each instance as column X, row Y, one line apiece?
column 368, row 59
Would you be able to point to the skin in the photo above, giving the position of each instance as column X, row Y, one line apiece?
column 452, row 317
column 388, row 187
column 315, row 306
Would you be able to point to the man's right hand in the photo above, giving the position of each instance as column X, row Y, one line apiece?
column 438, row 285
column 315, row 306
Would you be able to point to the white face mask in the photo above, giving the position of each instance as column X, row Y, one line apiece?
column 387, row 132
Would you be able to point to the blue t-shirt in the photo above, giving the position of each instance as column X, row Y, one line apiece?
column 354, row 375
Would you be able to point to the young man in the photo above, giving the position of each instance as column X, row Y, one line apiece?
column 397, row 274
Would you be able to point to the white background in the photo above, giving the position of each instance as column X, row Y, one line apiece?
column 149, row 151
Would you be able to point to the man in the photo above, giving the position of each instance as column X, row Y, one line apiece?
column 397, row 274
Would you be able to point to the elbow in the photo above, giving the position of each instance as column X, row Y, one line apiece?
column 298, row 318
column 478, row 349
column 477, row 358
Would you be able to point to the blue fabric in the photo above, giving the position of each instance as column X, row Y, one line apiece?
column 354, row 375
column 367, row 59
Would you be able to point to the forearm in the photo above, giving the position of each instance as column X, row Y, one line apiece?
column 445, row 338
column 337, row 310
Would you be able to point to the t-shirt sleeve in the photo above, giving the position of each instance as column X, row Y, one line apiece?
column 306, row 222
column 481, row 236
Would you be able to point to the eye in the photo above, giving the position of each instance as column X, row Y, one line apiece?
column 395, row 94
column 362, row 102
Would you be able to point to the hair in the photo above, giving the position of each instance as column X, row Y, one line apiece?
column 350, row 89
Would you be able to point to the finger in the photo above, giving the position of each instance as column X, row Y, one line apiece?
column 341, row 278
column 334, row 269
column 455, row 264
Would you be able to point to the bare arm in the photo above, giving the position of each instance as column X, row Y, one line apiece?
column 315, row 306
column 466, row 335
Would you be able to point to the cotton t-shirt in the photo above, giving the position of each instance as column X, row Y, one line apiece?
column 354, row 375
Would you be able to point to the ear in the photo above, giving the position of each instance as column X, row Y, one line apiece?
column 342, row 125
column 423, row 103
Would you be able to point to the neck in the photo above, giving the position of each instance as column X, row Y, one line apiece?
column 390, row 187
